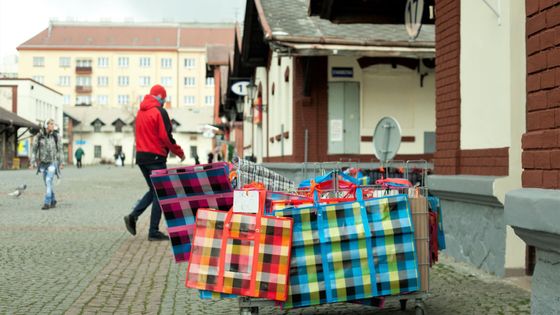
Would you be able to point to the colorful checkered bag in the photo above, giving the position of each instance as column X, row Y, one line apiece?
column 332, row 259
column 339, row 243
column 239, row 253
column 182, row 191
column 395, row 259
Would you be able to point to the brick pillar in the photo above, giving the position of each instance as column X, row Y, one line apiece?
column 541, row 142
column 448, row 93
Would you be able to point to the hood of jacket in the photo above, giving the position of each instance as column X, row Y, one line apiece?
column 149, row 102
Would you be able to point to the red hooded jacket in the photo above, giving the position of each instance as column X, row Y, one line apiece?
column 153, row 133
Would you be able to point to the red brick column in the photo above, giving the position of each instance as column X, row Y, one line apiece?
column 448, row 88
column 541, row 142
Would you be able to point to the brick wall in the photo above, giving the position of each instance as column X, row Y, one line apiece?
column 448, row 93
column 541, row 142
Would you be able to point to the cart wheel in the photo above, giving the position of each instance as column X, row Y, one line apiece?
column 249, row 310
column 420, row 310
column 403, row 304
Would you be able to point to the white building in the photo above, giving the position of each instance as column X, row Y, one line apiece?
column 101, row 132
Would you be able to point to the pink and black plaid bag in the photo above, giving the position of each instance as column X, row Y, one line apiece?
column 243, row 254
column 182, row 191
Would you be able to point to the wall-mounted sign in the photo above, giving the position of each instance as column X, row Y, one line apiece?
column 336, row 130
column 23, row 148
column 342, row 72
column 413, row 12
column 80, row 142
column 240, row 88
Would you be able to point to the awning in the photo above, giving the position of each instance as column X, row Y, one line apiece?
column 11, row 119
column 305, row 49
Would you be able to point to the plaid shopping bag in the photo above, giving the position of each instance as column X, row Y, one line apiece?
column 350, row 250
column 332, row 258
column 182, row 191
column 239, row 253
column 395, row 259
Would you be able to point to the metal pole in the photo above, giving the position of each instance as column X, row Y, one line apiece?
column 306, row 143
column 282, row 141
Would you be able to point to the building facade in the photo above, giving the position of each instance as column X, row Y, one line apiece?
column 323, row 86
column 100, row 65
column 34, row 103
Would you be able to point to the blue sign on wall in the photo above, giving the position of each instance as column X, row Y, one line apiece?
column 80, row 142
column 342, row 72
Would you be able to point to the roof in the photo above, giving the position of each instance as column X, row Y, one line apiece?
column 9, row 118
column 135, row 36
column 185, row 116
column 287, row 22
column 219, row 54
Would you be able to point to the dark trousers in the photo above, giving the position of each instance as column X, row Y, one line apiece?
column 79, row 163
column 149, row 198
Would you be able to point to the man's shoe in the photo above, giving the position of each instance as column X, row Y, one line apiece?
column 53, row 204
column 45, row 207
column 130, row 223
column 158, row 236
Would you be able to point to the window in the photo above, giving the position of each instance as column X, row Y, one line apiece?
column 64, row 80
column 97, row 150
column 209, row 81
column 64, row 62
column 83, row 100
column 119, row 124
column 38, row 61
column 83, row 63
column 66, row 100
column 190, row 81
column 122, row 99
column 166, row 81
column 209, row 99
column 123, row 80
column 83, row 81
column 145, row 62
column 39, row 78
column 102, row 80
column 123, row 62
column 189, row 62
column 103, row 62
column 102, row 99
column 144, row 81
column 166, row 63
column 189, row 100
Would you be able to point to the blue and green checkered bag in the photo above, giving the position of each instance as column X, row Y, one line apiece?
column 355, row 246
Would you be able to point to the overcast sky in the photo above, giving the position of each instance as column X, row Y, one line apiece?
column 22, row 19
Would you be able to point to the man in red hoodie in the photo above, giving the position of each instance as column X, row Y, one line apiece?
column 153, row 143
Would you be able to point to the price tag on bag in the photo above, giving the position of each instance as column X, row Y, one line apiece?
column 245, row 201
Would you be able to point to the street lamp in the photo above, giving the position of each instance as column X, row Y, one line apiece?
column 252, row 93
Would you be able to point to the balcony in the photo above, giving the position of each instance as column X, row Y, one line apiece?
column 83, row 104
column 83, row 70
column 83, row 89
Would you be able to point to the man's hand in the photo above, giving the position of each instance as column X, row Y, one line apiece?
column 31, row 166
column 61, row 166
column 182, row 158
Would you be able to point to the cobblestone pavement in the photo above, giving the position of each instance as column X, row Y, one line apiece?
column 78, row 259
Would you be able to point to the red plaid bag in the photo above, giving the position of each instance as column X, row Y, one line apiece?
column 239, row 253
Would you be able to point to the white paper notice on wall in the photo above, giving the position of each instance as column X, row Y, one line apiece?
column 245, row 201
column 336, row 129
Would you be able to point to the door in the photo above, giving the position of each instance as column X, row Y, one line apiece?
column 344, row 118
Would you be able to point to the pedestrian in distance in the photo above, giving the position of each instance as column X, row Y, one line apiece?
column 210, row 157
column 153, row 143
column 78, row 155
column 46, row 156
column 122, row 157
column 196, row 159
